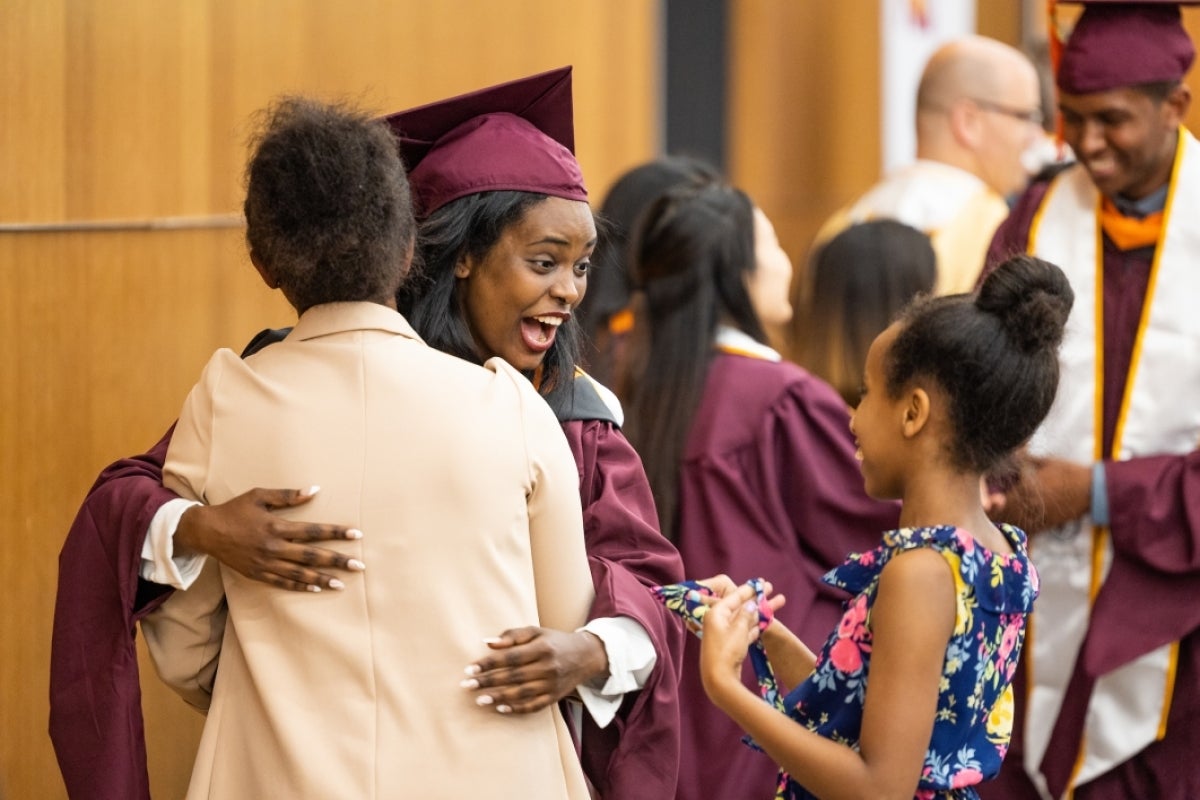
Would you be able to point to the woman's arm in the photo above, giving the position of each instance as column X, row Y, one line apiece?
column 247, row 536
column 627, row 554
column 912, row 621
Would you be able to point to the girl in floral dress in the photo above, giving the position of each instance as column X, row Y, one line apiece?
column 911, row 695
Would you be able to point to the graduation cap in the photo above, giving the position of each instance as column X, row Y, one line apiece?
column 518, row 135
column 1117, row 44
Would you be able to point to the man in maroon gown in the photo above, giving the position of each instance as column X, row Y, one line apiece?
column 1114, row 471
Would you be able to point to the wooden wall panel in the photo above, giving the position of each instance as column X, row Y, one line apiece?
column 804, row 110
column 138, row 110
column 32, row 138
column 104, row 335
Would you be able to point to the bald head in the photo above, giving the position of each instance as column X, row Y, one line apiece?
column 975, row 104
column 973, row 66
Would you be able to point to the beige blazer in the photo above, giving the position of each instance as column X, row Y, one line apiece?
column 466, row 492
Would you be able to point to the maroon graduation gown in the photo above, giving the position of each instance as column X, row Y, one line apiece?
column 96, row 719
column 1150, row 595
column 95, row 697
column 637, row 755
column 770, row 488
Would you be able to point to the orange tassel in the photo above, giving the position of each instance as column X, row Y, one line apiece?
column 1056, row 48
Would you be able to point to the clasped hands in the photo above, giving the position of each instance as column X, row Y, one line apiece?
column 730, row 626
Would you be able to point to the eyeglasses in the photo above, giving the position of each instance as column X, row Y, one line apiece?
column 1033, row 116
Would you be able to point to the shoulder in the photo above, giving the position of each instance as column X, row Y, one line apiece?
column 509, row 382
column 501, row 373
column 799, row 388
column 589, row 400
column 920, row 582
column 927, row 551
column 743, row 389
column 917, row 564
column 920, row 579
column 1029, row 201
column 221, row 365
column 753, row 397
column 1012, row 236
column 760, row 376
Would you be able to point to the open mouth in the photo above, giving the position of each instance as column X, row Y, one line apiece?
column 538, row 332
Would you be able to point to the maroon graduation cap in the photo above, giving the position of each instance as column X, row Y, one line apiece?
column 518, row 135
column 1117, row 44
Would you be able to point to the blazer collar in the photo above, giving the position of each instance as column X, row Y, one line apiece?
column 329, row 318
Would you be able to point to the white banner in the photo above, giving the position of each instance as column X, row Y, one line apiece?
column 911, row 31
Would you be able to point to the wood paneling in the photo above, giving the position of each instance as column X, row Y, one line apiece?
column 138, row 110
column 804, row 116
column 104, row 334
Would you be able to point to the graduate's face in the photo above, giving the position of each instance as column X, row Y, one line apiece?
column 770, row 282
column 517, row 295
column 877, row 424
column 1124, row 138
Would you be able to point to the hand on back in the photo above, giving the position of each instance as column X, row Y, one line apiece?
column 532, row 667
column 246, row 535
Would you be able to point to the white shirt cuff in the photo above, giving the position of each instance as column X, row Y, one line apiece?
column 631, row 659
column 159, row 562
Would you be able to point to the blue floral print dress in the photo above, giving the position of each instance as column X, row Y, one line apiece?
column 971, row 731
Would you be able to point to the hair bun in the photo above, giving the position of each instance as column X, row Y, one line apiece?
column 1032, row 298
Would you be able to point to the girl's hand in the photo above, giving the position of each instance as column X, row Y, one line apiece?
column 730, row 626
column 722, row 586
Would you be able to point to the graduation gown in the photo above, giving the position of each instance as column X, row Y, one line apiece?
column 95, row 698
column 769, row 487
column 637, row 755
column 1149, row 596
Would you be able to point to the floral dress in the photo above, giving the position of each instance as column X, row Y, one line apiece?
column 971, row 730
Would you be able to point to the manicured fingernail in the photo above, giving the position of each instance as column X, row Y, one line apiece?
column 483, row 700
column 472, row 670
column 354, row 533
column 312, row 588
column 469, row 683
column 503, row 709
column 493, row 640
column 310, row 491
column 355, row 564
column 334, row 583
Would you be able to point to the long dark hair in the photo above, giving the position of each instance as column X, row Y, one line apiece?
column 610, row 286
column 690, row 258
column 856, row 284
column 470, row 226
column 610, row 282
